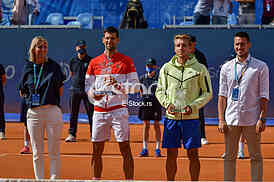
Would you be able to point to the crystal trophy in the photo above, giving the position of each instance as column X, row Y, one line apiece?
column 178, row 100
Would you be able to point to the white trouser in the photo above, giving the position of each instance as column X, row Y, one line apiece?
column 47, row 117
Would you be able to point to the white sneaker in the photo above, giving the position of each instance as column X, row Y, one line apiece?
column 70, row 138
column 241, row 155
column 53, row 176
column 2, row 136
column 204, row 141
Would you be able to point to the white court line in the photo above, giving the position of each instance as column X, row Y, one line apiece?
column 3, row 155
column 120, row 157
column 69, row 180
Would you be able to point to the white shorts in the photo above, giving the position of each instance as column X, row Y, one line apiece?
column 104, row 121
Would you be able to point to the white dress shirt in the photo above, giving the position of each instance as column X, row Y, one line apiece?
column 253, row 86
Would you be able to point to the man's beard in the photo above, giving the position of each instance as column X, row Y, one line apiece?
column 110, row 48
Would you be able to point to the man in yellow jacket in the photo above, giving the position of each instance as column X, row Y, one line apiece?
column 184, row 87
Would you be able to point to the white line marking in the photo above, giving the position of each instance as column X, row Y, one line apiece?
column 3, row 155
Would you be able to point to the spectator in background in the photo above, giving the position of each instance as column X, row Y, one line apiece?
column 151, row 108
column 1, row 13
column 25, row 12
column 268, row 12
column 241, row 147
column 221, row 9
column 78, row 67
column 23, row 118
column 19, row 13
column 134, row 16
column 247, row 12
column 201, row 59
column 241, row 154
column 2, row 118
column 202, row 12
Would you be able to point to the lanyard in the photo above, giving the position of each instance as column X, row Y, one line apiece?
column 36, row 82
column 238, row 80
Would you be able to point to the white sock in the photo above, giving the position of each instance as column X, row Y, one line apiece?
column 157, row 145
column 241, row 146
column 144, row 145
column 26, row 143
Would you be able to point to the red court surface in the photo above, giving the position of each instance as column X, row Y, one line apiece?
column 76, row 157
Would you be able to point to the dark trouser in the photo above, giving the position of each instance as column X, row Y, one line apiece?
column 246, row 18
column 2, row 118
column 202, row 120
column 201, row 20
column 267, row 20
column 75, row 101
column 23, row 112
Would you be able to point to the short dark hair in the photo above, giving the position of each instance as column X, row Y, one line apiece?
column 192, row 38
column 112, row 29
column 80, row 43
column 151, row 61
column 242, row 35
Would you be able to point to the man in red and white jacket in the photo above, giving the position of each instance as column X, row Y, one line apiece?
column 109, row 79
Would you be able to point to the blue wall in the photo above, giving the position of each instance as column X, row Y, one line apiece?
column 138, row 44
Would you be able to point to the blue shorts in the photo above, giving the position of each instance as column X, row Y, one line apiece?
column 177, row 132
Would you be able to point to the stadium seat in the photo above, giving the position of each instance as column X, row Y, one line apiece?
column 183, row 20
column 97, row 22
column 85, row 20
column 55, row 19
column 68, row 19
column 74, row 23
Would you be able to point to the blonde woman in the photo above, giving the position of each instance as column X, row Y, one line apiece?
column 42, row 83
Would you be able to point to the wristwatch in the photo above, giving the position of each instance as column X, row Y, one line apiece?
column 263, row 120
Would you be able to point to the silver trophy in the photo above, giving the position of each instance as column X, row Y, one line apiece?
column 106, row 90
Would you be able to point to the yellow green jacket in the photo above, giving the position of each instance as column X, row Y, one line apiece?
column 184, row 85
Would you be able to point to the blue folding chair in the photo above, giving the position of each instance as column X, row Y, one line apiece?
column 55, row 19
column 72, row 23
column 97, row 22
column 85, row 20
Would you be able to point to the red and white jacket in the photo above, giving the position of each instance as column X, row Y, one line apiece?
column 120, row 67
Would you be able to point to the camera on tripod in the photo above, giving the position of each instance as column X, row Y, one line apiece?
column 133, row 17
